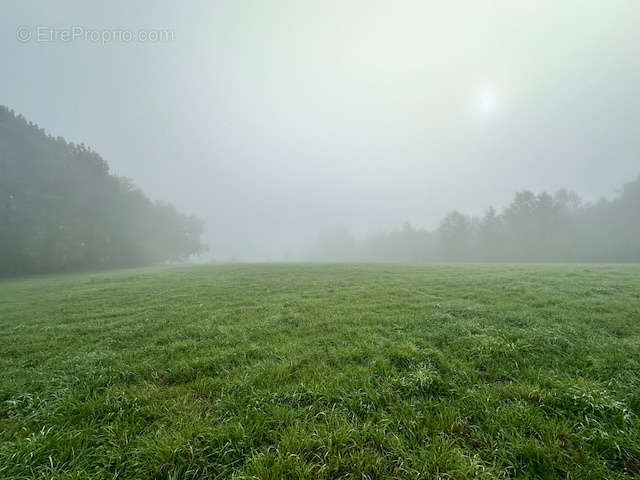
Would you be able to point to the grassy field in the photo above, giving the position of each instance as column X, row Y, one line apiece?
column 322, row 371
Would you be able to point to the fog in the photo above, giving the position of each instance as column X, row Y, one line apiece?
column 277, row 121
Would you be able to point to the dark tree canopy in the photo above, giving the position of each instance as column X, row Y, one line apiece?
column 61, row 209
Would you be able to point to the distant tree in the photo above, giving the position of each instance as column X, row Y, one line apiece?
column 543, row 227
column 455, row 234
column 621, row 221
column 490, row 236
column 531, row 221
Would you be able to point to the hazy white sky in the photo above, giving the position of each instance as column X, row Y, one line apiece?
column 273, row 120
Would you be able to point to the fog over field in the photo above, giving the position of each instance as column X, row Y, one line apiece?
column 276, row 121
column 320, row 239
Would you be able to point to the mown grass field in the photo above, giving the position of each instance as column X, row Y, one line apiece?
column 322, row 371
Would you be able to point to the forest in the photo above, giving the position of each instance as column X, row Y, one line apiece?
column 62, row 210
column 532, row 228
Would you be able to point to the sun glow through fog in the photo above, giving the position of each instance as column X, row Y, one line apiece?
column 487, row 102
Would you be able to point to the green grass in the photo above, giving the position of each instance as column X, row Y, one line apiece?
column 322, row 371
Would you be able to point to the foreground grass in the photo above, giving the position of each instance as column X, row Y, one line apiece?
column 315, row 371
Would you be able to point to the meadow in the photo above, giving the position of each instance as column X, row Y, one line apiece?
column 322, row 372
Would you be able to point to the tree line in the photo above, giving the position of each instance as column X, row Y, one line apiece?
column 61, row 209
column 532, row 228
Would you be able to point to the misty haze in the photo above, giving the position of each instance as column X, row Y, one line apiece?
column 320, row 239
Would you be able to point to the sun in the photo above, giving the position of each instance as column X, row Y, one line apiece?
column 487, row 101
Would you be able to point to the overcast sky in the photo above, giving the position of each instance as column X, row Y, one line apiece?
column 273, row 120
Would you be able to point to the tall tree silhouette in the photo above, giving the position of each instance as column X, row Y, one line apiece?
column 61, row 209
